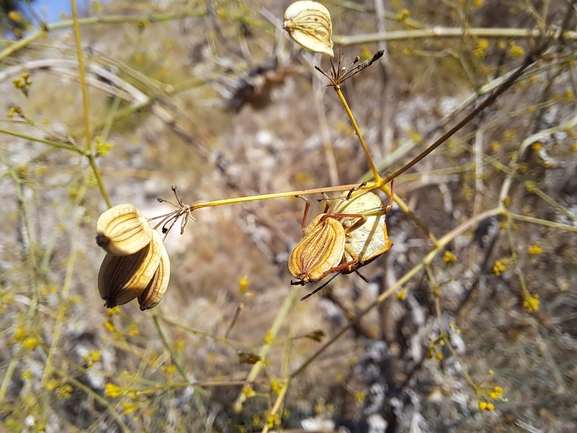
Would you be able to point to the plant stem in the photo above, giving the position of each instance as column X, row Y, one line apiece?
column 511, row 79
column 270, row 336
column 55, row 144
column 85, row 104
column 532, row 220
column 88, row 21
column 451, row 32
column 82, row 73
column 227, row 201
column 91, row 393
column 376, row 175
column 277, row 404
column 64, row 297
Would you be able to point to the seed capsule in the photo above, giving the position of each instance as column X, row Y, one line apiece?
column 320, row 250
column 121, row 279
column 123, row 230
column 308, row 23
column 369, row 240
column 348, row 235
column 154, row 292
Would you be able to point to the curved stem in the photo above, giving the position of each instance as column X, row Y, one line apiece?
column 376, row 175
column 88, row 21
column 85, row 105
column 227, row 201
column 55, row 144
column 451, row 32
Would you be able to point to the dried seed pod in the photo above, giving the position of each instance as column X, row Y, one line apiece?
column 348, row 235
column 308, row 23
column 123, row 278
column 123, row 230
column 154, row 292
column 320, row 250
column 369, row 240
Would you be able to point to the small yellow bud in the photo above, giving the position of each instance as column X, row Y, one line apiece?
column 19, row 334
column 509, row 134
column 482, row 405
column 248, row 391
column 129, row 407
column 52, row 385
column 498, row 268
column 531, row 302
column 490, row 406
column 30, row 343
column 449, row 257
column 403, row 15
column 530, row 186
column 483, row 44
column 276, row 386
column 109, row 326
column 516, row 51
column 402, row 294
column 112, row 391
column 243, row 285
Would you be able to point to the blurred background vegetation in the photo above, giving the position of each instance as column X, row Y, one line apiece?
column 212, row 96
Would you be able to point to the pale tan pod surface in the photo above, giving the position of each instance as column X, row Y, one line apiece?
column 371, row 239
column 122, row 230
column 320, row 249
column 154, row 292
column 308, row 23
column 123, row 278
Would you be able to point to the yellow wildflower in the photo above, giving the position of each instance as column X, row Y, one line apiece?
column 113, row 391
column 530, row 302
column 243, row 285
column 402, row 294
column 498, row 268
column 30, row 343
column 449, row 257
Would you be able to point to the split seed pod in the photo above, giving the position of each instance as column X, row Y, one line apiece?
column 370, row 240
column 319, row 251
column 123, row 278
column 123, row 230
column 350, row 234
column 308, row 23
column 154, row 292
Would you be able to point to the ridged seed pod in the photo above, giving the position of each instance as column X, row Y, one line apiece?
column 370, row 240
column 154, row 292
column 123, row 230
column 308, row 23
column 320, row 250
column 123, row 278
